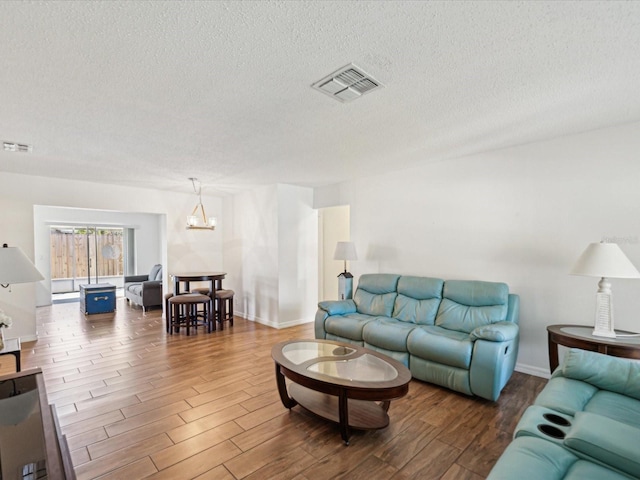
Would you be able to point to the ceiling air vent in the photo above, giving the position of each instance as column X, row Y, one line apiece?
column 16, row 147
column 347, row 84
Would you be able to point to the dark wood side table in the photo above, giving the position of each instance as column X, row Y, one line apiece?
column 580, row 336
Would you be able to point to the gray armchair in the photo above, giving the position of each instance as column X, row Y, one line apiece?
column 145, row 290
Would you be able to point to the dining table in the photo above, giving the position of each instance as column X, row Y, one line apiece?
column 181, row 281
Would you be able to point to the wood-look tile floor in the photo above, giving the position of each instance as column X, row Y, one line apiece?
column 135, row 402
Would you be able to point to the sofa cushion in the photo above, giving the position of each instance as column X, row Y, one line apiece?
column 418, row 299
column 347, row 326
column 388, row 333
column 376, row 294
column 440, row 345
column 615, row 406
column 467, row 305
column 155, row 273
column 566, row 395
column 535, row 458
column 135, row 288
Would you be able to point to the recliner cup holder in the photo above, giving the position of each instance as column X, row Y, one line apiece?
column 551, row 431
column 557, row 419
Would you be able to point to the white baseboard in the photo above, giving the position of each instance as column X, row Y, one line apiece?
column 292, row 323
column 530, row 370
column 28, row 338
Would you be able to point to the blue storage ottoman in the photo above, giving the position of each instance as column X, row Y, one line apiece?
column 97, row 298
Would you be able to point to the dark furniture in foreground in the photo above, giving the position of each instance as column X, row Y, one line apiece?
column 339, row 382
column 31, row 443
column 579, row 336
column 145, row 290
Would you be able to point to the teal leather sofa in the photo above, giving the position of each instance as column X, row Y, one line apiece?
column 459, row 334
column 585, row 424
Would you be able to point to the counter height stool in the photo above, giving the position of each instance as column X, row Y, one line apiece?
column 224, row 307
column 167, row 310
column 184, row 312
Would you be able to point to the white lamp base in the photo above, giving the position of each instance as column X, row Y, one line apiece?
column 604, row 311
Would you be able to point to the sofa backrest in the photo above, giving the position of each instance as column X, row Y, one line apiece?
column 376, row 294
column 418, row 299
column 619, row 375
column 155, row 273
column 468, row 304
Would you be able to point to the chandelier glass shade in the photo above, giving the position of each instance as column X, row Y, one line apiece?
column 198, row 219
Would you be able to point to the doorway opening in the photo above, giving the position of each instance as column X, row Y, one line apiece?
column 334, row 226
column 86, row 255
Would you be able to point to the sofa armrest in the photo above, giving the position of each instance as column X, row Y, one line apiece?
column 150, row 285
column 607, row 440
column 496, row 332
column 491, row 366
column 136, row 278
column 338, row 307
column 328, row 308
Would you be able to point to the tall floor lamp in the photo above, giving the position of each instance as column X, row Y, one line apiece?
column 604, row 260
column 345, row 251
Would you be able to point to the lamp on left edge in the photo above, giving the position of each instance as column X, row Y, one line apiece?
column 15, row 267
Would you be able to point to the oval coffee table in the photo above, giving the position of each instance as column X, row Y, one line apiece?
column 339, row 382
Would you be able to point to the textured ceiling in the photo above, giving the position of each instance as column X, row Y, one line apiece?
column 151, row 93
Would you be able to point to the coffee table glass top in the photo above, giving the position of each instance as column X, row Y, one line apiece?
column 365, row 368
column 339, row 361
column 300, row 352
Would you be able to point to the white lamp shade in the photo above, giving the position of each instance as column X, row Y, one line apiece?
column 604, row 260
column 345, row 251
column 15, row 267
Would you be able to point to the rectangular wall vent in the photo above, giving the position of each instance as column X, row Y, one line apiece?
column 346, row 84
column 16, row 147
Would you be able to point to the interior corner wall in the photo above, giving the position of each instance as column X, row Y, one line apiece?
column 270, row 250
column 251, row 253
column 297, row 256
column 520, row 215
column 184, row 250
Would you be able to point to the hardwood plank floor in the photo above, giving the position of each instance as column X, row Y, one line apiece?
column 135, row 402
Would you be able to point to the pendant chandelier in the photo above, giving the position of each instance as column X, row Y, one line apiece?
column 198, row 219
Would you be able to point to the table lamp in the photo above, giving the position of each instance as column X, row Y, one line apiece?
column 15, row 267
column 604, row 260
column 345, row 251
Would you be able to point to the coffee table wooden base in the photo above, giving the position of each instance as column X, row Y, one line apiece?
column 360, row 414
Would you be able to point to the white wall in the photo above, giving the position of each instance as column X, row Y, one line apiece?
column 270, row 248
column 297, row 256
column 186, row 250
column 521, row 215
column 251, row 253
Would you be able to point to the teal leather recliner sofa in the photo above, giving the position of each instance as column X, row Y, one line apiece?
column 585, row 424
column 460, row 334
